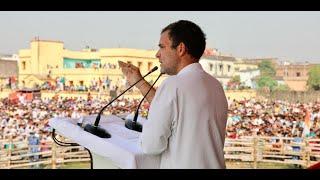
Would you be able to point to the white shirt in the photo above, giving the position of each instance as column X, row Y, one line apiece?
column 187, row 121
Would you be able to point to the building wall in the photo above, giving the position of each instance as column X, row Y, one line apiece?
column 217, row 67
column 241, row 66
column 229, row 69
column 8, row 69
column 295, row 75
column 293, row 70
column 247, row 76
column 297, row 85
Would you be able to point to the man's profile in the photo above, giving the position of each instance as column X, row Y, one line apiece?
column 188, row 112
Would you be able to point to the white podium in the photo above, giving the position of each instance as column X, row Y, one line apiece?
column 122, row 150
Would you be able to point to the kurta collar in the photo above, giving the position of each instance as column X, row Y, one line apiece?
column 189, row 68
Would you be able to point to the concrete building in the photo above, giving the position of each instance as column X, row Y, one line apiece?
column 247, row 77
column 221, row 67
column 224, row 68
column 8, row 73
column 294, row 75
column 47, row 60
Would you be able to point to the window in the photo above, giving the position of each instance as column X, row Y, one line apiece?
column 229, row 68
column 149, row 66
column 23, row 65
column 211, row 66
column 298, row 74
column 221, row 67
column 139, row 64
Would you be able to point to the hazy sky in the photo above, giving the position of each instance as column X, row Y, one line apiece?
column 291, row 35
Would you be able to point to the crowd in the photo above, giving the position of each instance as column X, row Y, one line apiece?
column 250, row 117
column 96, row 84
column 24, row 118
column 247, row 117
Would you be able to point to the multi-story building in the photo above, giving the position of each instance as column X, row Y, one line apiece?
column 221, row 67
column 8, row 70
column 225, row 67
column 257, row 61
column 294, row 75
column 245, row 64
column 48, row 60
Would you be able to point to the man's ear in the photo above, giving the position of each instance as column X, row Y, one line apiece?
column 182, row 49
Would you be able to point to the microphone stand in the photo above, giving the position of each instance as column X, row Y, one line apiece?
column 98, row 131
column 133, row 124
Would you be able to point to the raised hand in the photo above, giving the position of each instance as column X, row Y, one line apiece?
column 131, row 72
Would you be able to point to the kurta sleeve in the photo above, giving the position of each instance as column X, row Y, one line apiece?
column 157, row 129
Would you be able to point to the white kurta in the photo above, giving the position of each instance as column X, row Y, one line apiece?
column 187, row 121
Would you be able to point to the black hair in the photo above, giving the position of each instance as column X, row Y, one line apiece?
column 190, row 34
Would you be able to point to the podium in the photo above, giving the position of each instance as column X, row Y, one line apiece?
column 121, row 151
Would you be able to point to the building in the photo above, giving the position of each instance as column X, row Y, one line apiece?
column 257, row 61
column 247, row 77
column 9, row 57
column 245, row 64
column 294, row 75
column 48, row 62
column 8, row 70
column 225, row 67
column 221, row 67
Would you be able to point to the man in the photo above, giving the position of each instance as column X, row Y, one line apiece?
column 188, row 112
column 34, row 141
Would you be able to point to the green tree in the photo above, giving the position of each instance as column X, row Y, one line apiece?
column 314, row 77
column 266, row 68
column 267, row 81
column 235, row 79
column 282, row 87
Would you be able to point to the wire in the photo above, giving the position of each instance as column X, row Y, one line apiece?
column 66, row 144
column 60, row 142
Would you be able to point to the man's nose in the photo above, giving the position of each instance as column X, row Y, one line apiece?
column 158, row 54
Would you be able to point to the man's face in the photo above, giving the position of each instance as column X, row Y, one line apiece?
column 167, row 56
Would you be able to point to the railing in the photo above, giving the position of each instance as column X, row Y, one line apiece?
column 273, row 150
column 15, row 154
column 253, row 150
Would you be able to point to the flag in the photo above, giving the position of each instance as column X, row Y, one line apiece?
column 307, row 124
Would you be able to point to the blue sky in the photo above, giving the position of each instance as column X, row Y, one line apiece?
column 293, row 35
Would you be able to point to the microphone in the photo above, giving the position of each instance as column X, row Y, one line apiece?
column 98, row 131
column 133, row 124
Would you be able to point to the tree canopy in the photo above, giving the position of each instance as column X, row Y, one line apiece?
column 314, row 77
column 266, row 68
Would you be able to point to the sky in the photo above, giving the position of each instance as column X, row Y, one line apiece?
column 289, row 35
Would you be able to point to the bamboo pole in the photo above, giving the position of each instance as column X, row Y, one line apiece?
column 282, row 146
column 255, row 152
column 9, row 152
column 54, row 158
column 307, row 151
